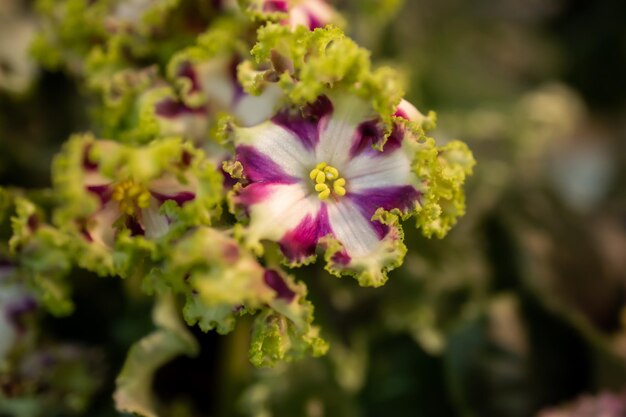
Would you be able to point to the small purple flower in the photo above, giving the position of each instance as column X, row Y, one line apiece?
column 316, row 174
column 15, row 303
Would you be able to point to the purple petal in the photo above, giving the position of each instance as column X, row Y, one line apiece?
column 278, row 284
column 16, row 309
column 399, row 197
column 371, row 133
column 170, row 109
column 33, row 222
column 102, row 191
column 254, row 194
column 258, row 167
column 88, row 165
column 300, row 243
column 275, row 6
column 314, row 22
column 186, row 70
column 341, row 257
column 232, row 69
column 306, row 126
column 134, row 226
column 180, row 198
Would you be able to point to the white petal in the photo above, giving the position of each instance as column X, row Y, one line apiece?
column 252, row 110
column 368, row 171
column 93, row 178
column 168, row 184
column 337, row 137
column 352, row 229
column 103, row 231
column 280, row 145
column 217, row 83
column 154, row 224
column 283, row 209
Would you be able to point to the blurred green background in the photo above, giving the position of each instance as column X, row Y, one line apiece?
column 520, row 309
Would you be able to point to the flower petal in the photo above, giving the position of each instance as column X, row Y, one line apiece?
column 375, row 171
column 306, row 124
column 101, row 229
column 168, row 187
column 401, row 197
column 258, row 167
column 218, row 82
column 278, row 144
column 250, row 110
column 281, row 210
column 338, row 131
column 154, row 223
column 358, row 235
column 299, row 244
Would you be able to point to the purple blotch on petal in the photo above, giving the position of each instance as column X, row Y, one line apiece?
column 187, row 70
column 258, row 167
column 136, row 229
column 87, row 163
column 403, row 198
column 371, row 133
column 170, row 109
column 300, row 243
column 314, row 22
column 232, row 70
column 341, row 257
column 102, row 191
column 275, row 6
column 254, row 194
column 307, row 124
column 33, row 222
column 278, row 284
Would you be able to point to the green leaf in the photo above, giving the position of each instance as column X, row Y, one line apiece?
column 134, row 393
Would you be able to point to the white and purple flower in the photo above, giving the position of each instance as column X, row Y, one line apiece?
column 314, row 177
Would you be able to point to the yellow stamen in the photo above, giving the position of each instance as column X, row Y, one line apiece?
column 323, row 173
column 131, row 197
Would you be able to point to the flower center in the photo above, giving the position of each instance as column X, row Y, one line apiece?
column 131, row 196
column 323, row 175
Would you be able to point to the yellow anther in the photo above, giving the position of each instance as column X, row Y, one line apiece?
column 131, row 197
column 331, row 173
column 339, row 182
column 324, row 194
column 338, row 188
column 321, row 187
column 314, row 173
column 323, row 173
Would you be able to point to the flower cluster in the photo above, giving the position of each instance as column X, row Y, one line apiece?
column 265, row 108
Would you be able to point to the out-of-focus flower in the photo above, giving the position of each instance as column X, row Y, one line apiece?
column 17, row 30
column 15, row 302
column 602, row 405
column 141, row 191
column 214, row 82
